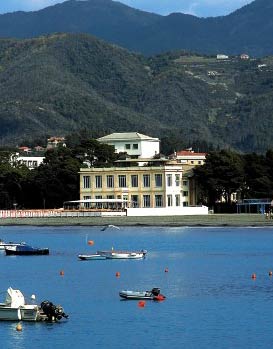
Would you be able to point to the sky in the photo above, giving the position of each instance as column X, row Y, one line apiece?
column 200, row 8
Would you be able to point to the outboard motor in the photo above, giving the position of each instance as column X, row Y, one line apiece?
column 155, row 291
column 53, row 312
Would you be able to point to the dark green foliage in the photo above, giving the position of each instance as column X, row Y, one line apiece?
column 63, row 83
column 227, row 172
column 54, row 181
column 221, row 175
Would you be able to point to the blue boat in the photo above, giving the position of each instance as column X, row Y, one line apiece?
column 25, row 250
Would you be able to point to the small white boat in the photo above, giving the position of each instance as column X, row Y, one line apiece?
column 154, row 294
column 15, row 309
column 87, row 257
column 113, row 254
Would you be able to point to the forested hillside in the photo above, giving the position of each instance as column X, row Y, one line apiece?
column 58, row 84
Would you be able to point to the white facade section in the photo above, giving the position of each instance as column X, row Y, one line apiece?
column 133, row 143
column 172, row 211
column 30, row 161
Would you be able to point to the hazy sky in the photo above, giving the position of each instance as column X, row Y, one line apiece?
column 200, row 8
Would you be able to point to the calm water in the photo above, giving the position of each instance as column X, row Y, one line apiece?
column 211, row 299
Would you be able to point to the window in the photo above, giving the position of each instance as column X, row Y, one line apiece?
column 87, row 204
column 158, row 180
column 169, row 180
column 86, row 182
column 158, row 201
column 134, row 181
column 127, row 146
column 177, row 180
column 146, row 180
column 199, row 162
column 35, row 163
column 146, row 201
column 98, row 197
column 134, row 200
column 98, row 181
column 185, row 193
column 177, row 200
column 185, row 183
column 192, row 162
column 169, row 200
column 185, row 204
column 110, row 181
column 109, row 204
column 122, row 181
column 135, row 146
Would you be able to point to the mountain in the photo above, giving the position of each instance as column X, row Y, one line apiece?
column 249, row 29
column 62, row 83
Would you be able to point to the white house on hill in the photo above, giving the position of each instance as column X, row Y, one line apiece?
column 134, row 144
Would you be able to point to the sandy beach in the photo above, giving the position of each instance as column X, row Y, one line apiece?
column 209, row 220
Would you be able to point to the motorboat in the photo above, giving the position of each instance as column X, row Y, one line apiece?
column 154, row 294
column 25, row 250
column 94, row 256
column 15, row 309
column 4, row 244
column 114, row 254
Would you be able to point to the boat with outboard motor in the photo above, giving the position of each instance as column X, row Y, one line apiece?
column 25, row 250
column 154, row 295
column 115, row 254
column 15, row 308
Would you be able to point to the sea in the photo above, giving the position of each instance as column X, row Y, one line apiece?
column 212, row 301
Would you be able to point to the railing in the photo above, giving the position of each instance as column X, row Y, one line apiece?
column 21, row 214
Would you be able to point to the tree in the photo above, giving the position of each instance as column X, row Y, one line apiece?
column 258, row 174
column 220, row 176
column 93, row 153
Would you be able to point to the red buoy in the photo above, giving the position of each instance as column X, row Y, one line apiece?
column 160, row 297
column 90, row 242
column 253, row 276
column 141, row 304
column 117, row 274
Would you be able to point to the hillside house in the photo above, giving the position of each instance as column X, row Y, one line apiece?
column 135, row 144
column 54, row 142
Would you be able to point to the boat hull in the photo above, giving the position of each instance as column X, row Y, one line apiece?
column 86, row 257
column 25, row 251
column 123, row 254
column 26, row 313
column 136, row 295
column 153, row 294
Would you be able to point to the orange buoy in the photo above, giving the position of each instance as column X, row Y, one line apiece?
column 62, row 273
column 117, row 274
column 270, row 273
column 19, row 327
column 141, row 304
column 160, row 297
column 90, row 242
column 253, row 276
column 166, row 270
